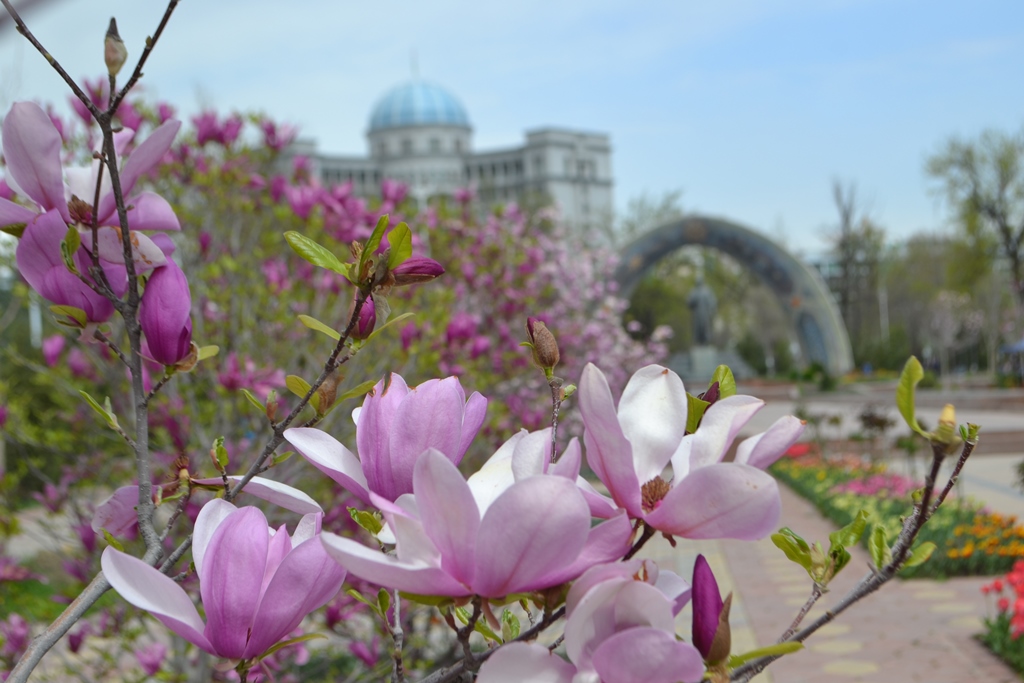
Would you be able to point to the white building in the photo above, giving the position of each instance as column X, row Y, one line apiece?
column 420, row 134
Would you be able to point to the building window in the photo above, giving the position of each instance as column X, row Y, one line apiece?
column 458, row 146
column 435, row 145
column 406, row 146
column 519, row 167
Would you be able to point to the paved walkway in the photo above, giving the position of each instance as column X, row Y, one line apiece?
column 910, row 631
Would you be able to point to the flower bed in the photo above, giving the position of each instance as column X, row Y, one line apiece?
column 970, row 541
column 1003, row 634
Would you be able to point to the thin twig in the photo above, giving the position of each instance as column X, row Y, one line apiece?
column 816, row 593
column 115, row 101
column 100, row 337
column 555, row 383
column 645, row 536
column 398, row 636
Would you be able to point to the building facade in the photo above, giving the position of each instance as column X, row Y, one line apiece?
column 419, row 134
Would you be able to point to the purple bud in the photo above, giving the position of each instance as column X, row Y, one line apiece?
column 151, row 657
column 415, row 270
column 165, row 314
column 367, row 320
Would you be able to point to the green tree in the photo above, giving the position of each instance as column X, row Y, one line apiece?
column 983, row 181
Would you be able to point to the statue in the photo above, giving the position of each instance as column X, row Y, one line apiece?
column 703, row 307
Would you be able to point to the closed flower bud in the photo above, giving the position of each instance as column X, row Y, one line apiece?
column 165, row 315
column 415, row 270
column 367, row 319
column 542, row 341
column 114, row 52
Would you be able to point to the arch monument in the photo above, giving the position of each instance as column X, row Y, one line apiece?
column 801, row 291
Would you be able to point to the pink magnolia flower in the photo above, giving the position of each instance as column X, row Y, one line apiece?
column 630, row 448
column 416, row 270
column 534, row 535
column 707, row 612
column 151, row 657
column 165, row 314
column 618, row 630
column 393, row 427
column 32, row 148
column 256, row 584
column 53, row 346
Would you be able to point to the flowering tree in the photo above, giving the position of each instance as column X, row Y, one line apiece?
column 518, row 535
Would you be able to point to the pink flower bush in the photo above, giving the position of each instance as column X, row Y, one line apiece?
column 888, row 485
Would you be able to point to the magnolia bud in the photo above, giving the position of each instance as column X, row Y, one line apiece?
column 328, row 392
column 415, row 270
column 114, row 52
column 542, row 341
column 367, row 319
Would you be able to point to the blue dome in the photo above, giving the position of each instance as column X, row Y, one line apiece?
column 418, row 104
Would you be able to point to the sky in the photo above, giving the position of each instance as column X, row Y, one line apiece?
column 752, row 108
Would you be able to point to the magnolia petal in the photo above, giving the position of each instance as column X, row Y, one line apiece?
column 530, row 533
column 383, row 570
column 601, row 506
column 448, row 513
column 606, row 542
column 150, row 211
column 305, row 581
column 719, row 426
column 210, row 517
column 675, row 588
column 117, row 514
column 609, row 453
column 569, row 462
column 373, row 435
column 596, row 575
column 145, row 157
column 532, row 454
column 148, row 589
column 32, row 148
column 145, row 253
column 11, row 213
column 647, row 655
column 641, row 604
column 282, row 495
column 724, row 500
column 329, row 456
column 518, row 662
column 429, row 417
column 232, row 578
column 476, row 411
column 652, row 412
column 491, row 480
column 761, row 450
column 592, row 620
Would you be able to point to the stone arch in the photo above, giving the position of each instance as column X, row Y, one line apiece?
column 801, row 291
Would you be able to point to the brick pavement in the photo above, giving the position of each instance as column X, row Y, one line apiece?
column 918, row 630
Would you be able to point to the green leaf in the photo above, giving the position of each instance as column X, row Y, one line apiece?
column 777, row 649
column 281, row 457
column 786, row 531
column 840, row 558
column 400, row 239
column 73, row 239
column 221, row 453
column 356, row 392
column 373, row 243
column 794, row 552
column 480, row 627
column 297, row 385
column 389, row 323
column 16, row 229
column 315, row 253
column 253, row 400
column 850, row 534
column 881, row 554
column 353, row 593
column 726, row 382
column 207, row 352
column 291, row 641
column 509, row 626
column 366, row 520
column 103, row 412
column 911, row 375
column 67, row 254
column 112, row 542
column 383, row 601
column 76, row 314
column 920, row 554
column 695, row 408
column 314, row 324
